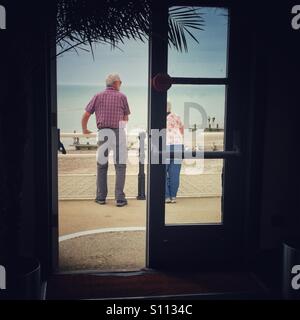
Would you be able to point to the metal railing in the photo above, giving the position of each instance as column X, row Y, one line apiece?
column 141, row 154
column 141, row 174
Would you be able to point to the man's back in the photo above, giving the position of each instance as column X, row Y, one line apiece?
column 110, row 107
column 112, row 110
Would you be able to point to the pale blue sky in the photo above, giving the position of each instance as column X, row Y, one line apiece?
column 206, row 59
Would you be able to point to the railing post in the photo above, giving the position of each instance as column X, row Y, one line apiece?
column 75, row 139
column 141, row 176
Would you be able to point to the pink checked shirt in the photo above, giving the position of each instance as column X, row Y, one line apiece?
column 174, row 129
column 110, row 107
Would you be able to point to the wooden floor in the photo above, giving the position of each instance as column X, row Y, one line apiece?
column 149, row 284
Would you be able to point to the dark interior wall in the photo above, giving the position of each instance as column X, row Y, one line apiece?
column 17, row 54
column 277, row 91
column 23, row 80
column 28, row 208
column 276, row 192
column 280, row 206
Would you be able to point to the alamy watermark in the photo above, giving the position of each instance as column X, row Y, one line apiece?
column 2, row 278
column 296, row 279
column 296, row 18
column 2, row 17
column 189, row 144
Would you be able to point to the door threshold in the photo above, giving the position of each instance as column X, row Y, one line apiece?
column 154, row 284
column 97, row 272
column 195, row 296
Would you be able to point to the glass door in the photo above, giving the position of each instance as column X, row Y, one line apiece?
column 195, row 162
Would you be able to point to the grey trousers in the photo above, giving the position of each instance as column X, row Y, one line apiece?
column 115, row 140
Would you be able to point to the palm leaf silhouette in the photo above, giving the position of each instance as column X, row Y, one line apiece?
column 181, row 21
column 82, row 23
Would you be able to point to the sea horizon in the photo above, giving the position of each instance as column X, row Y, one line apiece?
column 73, row 98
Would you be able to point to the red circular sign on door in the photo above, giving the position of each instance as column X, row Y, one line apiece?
column 162, row 82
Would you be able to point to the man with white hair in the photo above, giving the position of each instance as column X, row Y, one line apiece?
column 111, row 110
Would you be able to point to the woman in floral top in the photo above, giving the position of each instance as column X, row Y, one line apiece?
column 174, row 141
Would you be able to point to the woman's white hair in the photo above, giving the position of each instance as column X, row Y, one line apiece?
column 169, row 106
column 111, row 78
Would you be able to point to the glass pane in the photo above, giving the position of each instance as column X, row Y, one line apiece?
column 199, row 196
column 208, row 57
column 195, row 119
column 197, row 103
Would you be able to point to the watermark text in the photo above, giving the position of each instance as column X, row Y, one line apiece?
column 296, row 279
column 2, row 17
column 296, row 17
column 2, row 278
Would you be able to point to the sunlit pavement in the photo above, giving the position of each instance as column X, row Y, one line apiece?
column 82, row 215
column 102, row 237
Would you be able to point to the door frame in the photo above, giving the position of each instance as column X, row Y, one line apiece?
column 46, row 166
column 163, row 249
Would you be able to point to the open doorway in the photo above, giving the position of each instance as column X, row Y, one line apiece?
column 93, row 236
column 110, row 238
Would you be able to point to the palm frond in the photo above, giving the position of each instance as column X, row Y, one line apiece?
column 82, row 23
column 181, row 21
